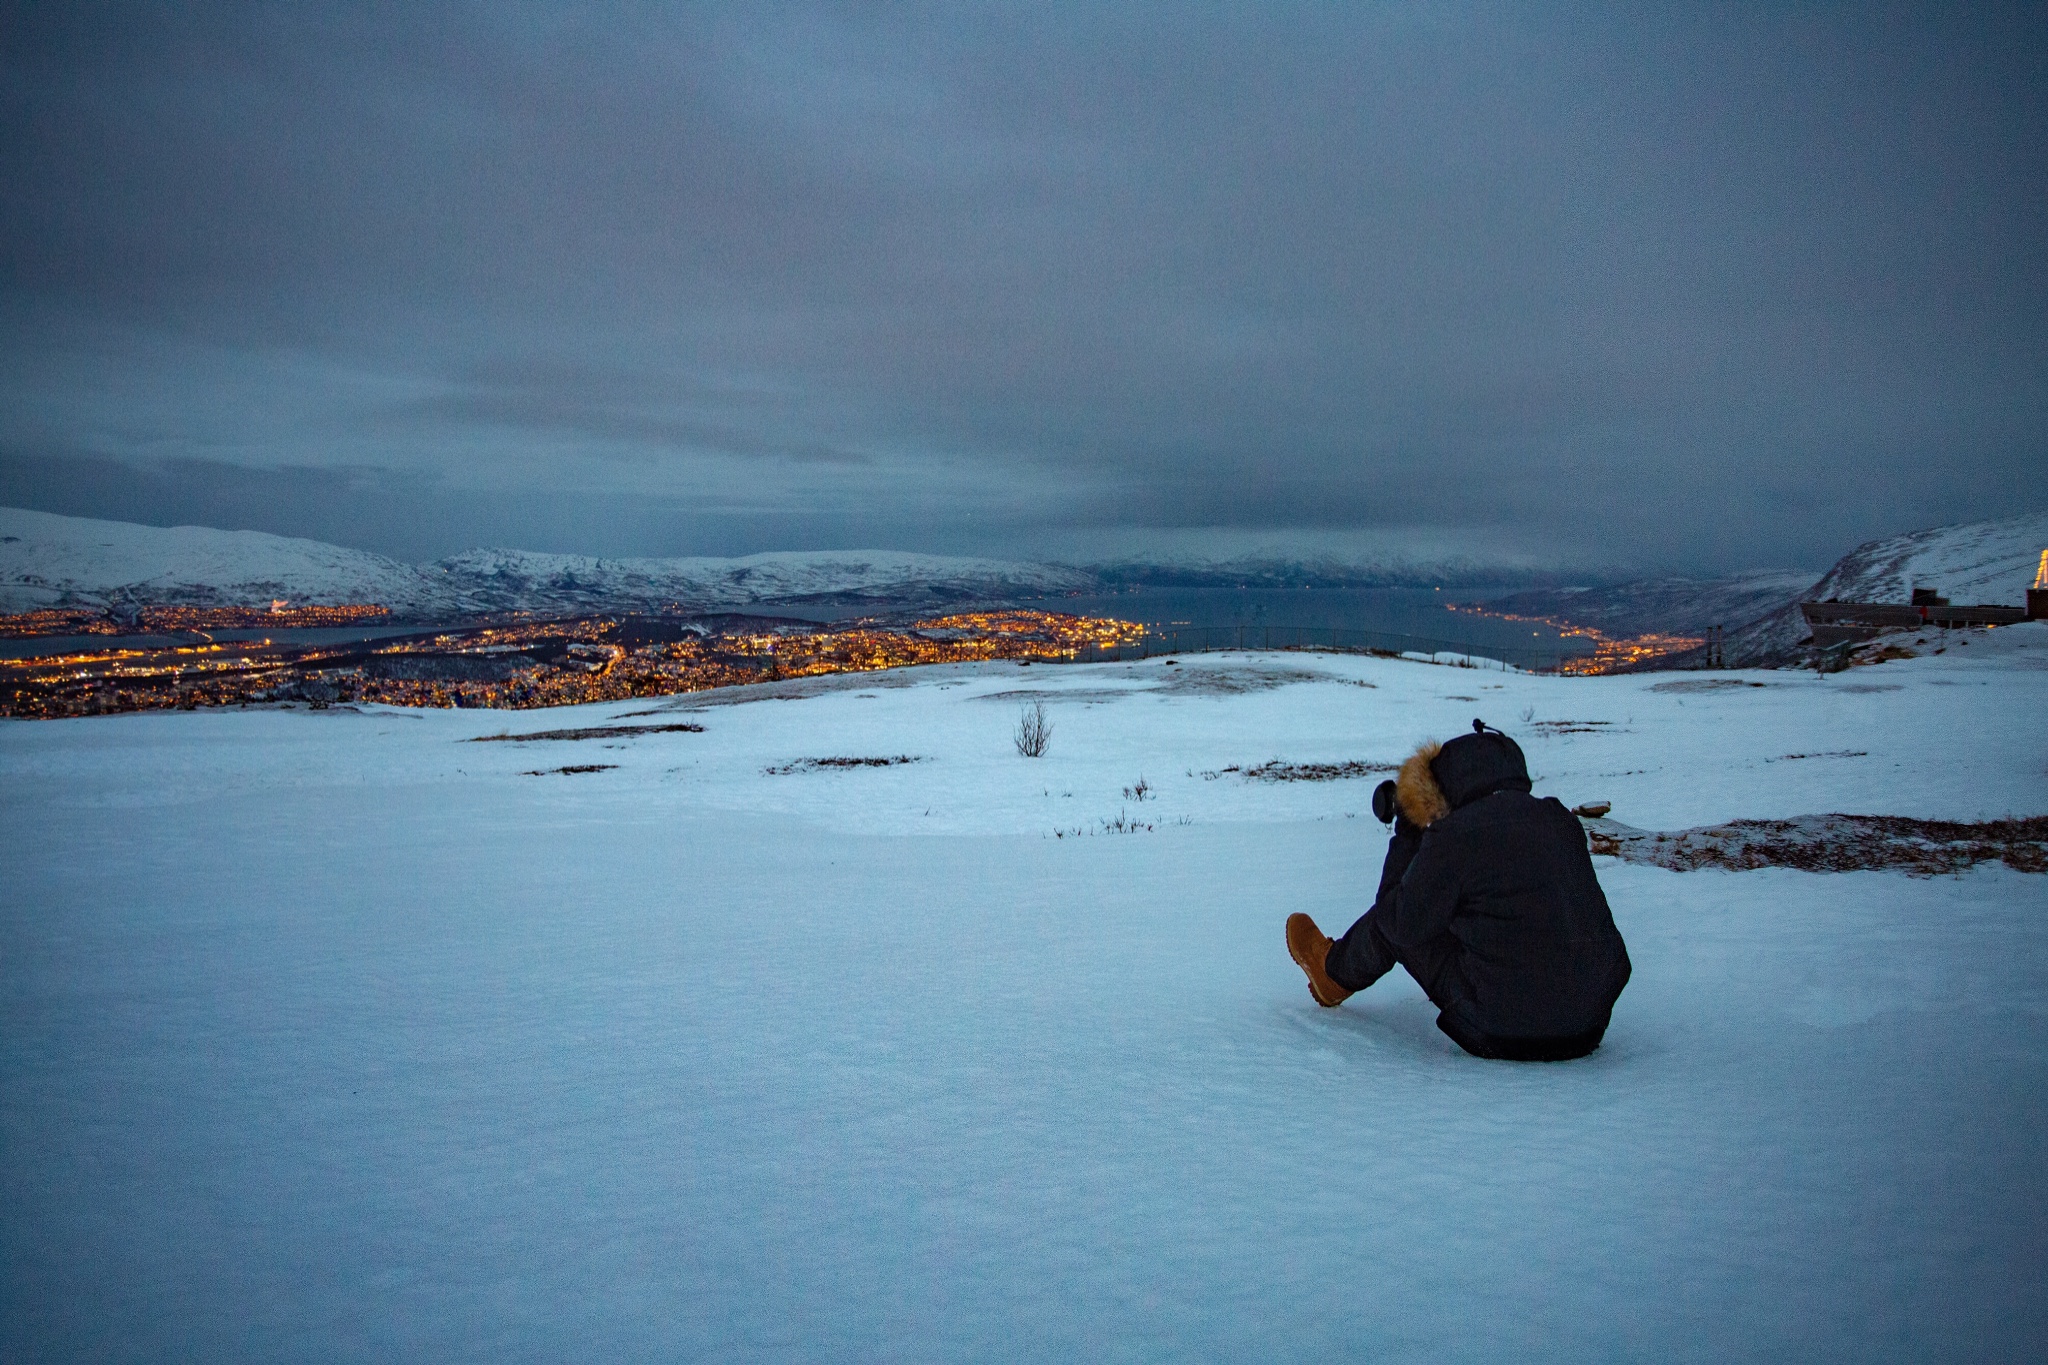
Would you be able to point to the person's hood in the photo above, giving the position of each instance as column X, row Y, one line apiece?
column 1439, row 778
column 1416, row 791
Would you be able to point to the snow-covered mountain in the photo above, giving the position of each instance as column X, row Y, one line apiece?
column 491, row 580
column 1978, row 562
column 1974, row 562
column 48, row 560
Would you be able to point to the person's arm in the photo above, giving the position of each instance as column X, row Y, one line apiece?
column 1363, row 955
column 1418, row 889
column 1400, row 852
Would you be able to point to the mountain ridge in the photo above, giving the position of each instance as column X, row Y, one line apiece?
column 51, row 561
column 48, row 560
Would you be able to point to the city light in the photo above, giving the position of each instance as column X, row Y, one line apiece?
column 515, row 662
column 1609, row 655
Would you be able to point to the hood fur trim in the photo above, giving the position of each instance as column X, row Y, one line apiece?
column 1416, row 791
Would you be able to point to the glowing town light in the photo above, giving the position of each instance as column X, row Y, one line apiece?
column 2041, row 574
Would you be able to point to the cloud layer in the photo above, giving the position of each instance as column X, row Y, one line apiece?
column 1713, row 288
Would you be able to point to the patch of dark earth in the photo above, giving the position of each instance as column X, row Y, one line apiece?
column 800, row 689
column 1277, row 771
column 1832, row 843
column 1575, row 727
column 811, row 765
column 1829, row 753
column 1705, row 685
column 572, row 768
column 591, row 732
column 1230, row 682
column 1085, row 696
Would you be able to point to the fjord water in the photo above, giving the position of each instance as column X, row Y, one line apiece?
column 1420, row 612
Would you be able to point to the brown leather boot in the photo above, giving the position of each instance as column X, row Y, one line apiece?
column 1309, row 946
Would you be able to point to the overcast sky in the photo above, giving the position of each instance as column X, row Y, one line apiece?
column 1687, row 287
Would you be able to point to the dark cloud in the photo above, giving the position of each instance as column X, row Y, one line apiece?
column 643, row 415
column 417, row 518
column 1721, row 286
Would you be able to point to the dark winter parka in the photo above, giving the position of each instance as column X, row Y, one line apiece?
column 1488, row 897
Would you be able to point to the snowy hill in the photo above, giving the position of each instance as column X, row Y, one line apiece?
column 1982, row 561
column 48, row 560
column 1975, row 562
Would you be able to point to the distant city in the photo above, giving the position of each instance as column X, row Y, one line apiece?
column 516, row 662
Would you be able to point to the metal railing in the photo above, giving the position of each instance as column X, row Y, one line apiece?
column 1164, row 640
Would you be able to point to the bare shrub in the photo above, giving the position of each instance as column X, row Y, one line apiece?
column 1034, row 731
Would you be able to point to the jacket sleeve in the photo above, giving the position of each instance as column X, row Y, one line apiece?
column 1417, row 898
column 1400, row 852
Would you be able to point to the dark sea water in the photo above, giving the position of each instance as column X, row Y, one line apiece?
column 1419, row 613
column 1419, row 616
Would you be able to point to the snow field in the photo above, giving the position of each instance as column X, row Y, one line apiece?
column 329, row 1036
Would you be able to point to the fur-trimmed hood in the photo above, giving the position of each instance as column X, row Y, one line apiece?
column 1439, row 778
column 1416, row 791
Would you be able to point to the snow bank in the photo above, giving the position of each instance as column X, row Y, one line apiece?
column 331, row 1035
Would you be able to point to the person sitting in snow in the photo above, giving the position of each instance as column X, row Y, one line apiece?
column 1488, row 898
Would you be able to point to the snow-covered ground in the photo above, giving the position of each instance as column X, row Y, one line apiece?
column 328, row 1035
